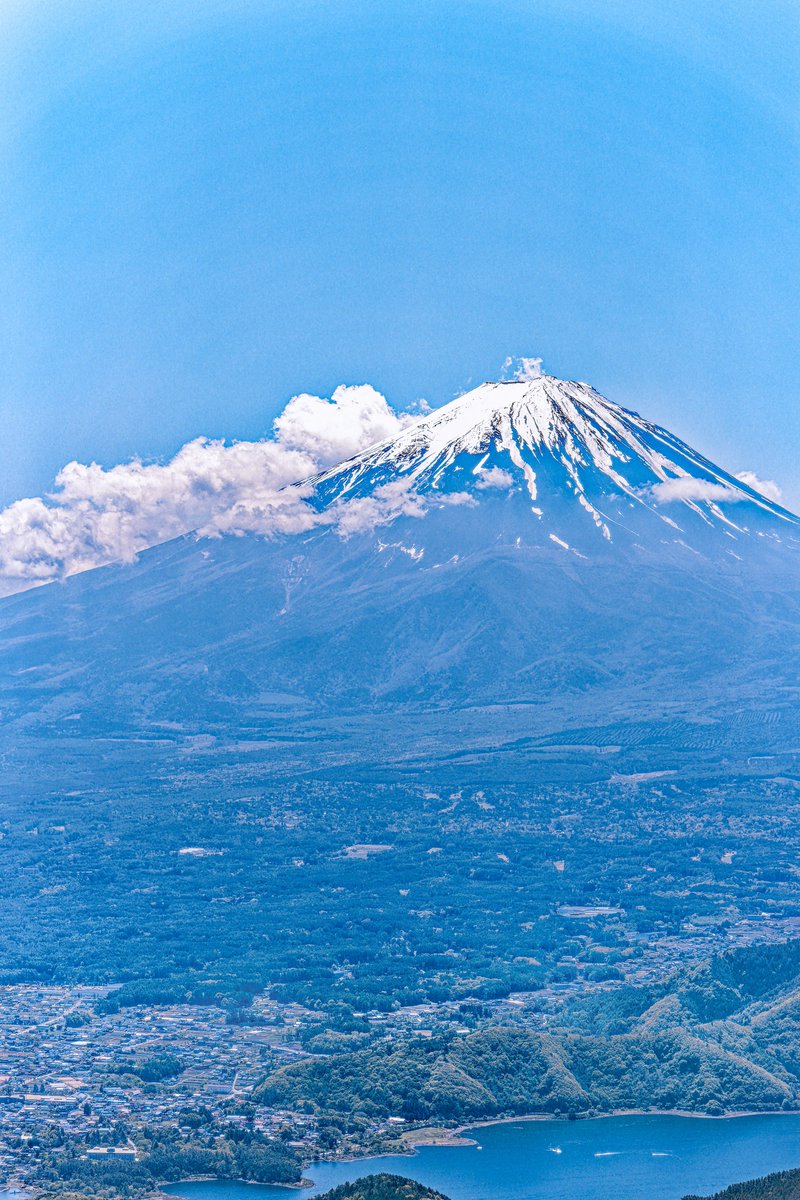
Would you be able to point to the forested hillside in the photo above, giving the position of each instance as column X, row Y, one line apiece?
column 382, row 1187
column 782, row 1185
column 723, row 1036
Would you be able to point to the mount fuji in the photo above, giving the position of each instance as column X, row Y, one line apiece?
column 528, row 576
column 579, row 464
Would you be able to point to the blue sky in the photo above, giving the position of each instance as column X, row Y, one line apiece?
column 207, row 209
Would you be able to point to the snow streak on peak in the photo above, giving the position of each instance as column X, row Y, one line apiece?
column 554, row 440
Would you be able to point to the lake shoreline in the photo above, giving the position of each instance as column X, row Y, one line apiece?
column 457, row 1139
column 456, row 1136
column 301, row 1184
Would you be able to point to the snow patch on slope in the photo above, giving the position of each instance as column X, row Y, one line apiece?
column 555, row 439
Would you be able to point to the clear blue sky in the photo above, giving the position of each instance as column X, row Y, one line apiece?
column 208, row 206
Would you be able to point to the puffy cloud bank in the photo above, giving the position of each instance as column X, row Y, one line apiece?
column 96, row 516
column 333, row 430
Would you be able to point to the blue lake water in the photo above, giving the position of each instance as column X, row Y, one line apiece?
column 612, row 1158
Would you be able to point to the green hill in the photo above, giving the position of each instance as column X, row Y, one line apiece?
column 382, row 1187
column 720, row 1036
column 782, row 1185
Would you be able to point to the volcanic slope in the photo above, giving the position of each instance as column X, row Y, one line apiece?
column 528, row 568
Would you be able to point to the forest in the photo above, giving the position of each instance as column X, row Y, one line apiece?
column 381, row 896
column 780, row 1185
column 164, row 1157
column 382, row 1187
column 722, row 1036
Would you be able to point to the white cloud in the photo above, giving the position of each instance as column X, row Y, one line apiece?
column 333, row 430
column 96, row 516
column 522, row 369
column 495, row 477
column 688, row 488
column 455, row 500
column 395, row 499
column 767, row 487
column 385, row 504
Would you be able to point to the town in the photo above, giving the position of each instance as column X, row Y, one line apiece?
column 72, row 1072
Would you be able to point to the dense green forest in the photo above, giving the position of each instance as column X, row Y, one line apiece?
column 722, row 1036
column 781, row 1185
column 380, row 895
column 382, row 1187
column 164, row 1157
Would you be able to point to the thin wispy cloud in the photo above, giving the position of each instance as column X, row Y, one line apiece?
column 495, row 478
column 522, row 369
column 688, row 488
column 389, row 501
column 768, row 488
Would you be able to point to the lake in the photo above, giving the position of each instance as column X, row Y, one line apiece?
column 610, row 1158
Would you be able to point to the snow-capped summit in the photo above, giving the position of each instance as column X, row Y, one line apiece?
column 528, row 568
column 551, row 441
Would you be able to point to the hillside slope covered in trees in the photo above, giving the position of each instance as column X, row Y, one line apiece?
column 382, row 1187
column 781, row 1185
column 721, row 1037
